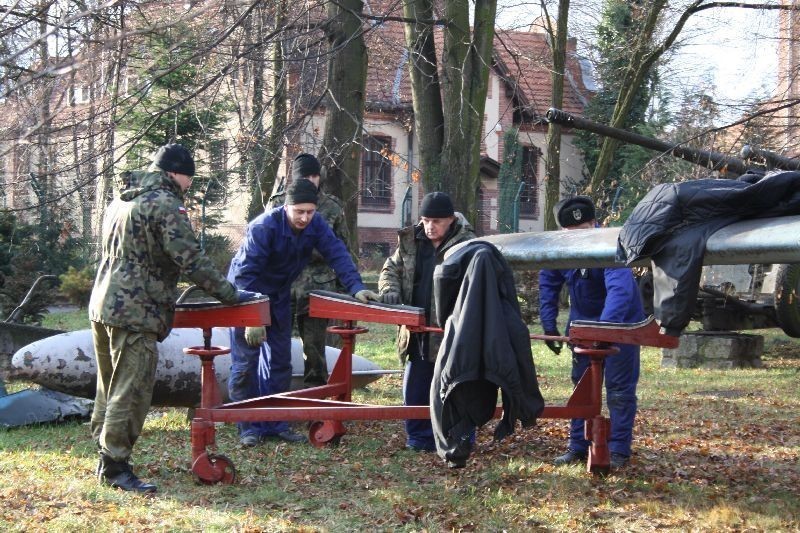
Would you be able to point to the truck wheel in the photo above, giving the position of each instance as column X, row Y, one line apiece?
column 787, row 298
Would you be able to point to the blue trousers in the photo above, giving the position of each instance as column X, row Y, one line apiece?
column 263, row 370
column 621, row 374
column 417, row 391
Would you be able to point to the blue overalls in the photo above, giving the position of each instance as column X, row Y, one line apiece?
column 268, row 261
column 608, row 295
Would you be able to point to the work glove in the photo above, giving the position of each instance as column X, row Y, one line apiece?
column 390, row 298
column 255, row 335
column 364, row 296
column 245, row 296
column 555, row 346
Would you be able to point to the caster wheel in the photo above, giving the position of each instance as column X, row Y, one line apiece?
column 323, row 433
column 210, row 469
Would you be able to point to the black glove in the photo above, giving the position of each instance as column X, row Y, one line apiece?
column 390, row 298
column 245, row 296
column 555, row 346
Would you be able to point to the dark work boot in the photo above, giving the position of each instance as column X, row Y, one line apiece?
column 618, row 460
column 119, row 475
column 572, row 456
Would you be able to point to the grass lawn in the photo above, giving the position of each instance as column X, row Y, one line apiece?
column 713, row 451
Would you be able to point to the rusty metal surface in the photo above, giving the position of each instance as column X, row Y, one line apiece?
column 766, row 240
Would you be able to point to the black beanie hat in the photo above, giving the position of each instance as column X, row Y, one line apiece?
column 305, row 165
column 174, row 158
column 574, row 211
column 301, row 192
column 436, row 205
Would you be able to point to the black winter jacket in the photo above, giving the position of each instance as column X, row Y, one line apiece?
column 486, row 346
column 672, row 223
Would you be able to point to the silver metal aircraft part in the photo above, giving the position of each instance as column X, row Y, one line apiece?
column 764, row 240
column 66, row 363
column 32, row 406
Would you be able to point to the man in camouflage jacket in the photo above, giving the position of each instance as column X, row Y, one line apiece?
column 407, row 278
column 147, row 243
column 316, row 276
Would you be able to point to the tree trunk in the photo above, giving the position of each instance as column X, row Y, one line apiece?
column 104, row 188
column 42, row 181
column 257, row 154
column 347, row 75
column 426, row 90
column 466, row 59
column 274, row 149
column 553, row 161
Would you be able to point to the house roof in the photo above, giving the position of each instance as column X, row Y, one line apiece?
column 522, row 59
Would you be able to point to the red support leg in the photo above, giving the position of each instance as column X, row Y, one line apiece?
column 209, row 468
column 598, row 462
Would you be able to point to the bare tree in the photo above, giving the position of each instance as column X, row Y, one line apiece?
column 558, row 38
column 450, row 94
column 646, row 51
column 347, row 75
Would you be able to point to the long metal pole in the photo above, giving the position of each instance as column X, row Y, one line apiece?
column 708, row 159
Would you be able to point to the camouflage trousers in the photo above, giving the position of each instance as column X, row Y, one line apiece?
column 312, row 332
column 126, row 369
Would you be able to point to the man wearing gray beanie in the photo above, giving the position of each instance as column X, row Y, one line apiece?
column 317, row 275
column 407, row 278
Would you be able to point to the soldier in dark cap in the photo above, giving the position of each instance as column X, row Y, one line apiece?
column 317, row 275
column 599, row 294
column 276, row 248
column 407, row 278
column 147, row 244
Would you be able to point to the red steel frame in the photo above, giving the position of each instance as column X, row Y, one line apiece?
column 327, row 406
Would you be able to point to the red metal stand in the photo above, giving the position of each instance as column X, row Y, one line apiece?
column 326, row 415
column 207, row 467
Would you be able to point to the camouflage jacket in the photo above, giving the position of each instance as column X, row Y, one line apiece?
column 397, row 275
column 147, row 242
column 318, row 275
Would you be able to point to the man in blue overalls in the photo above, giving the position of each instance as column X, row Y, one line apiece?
column 599, row 294
column 277, row 247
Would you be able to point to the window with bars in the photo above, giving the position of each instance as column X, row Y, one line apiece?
column 529, row 197
column 376, row 172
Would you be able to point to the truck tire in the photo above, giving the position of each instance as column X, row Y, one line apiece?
column 787, row 298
